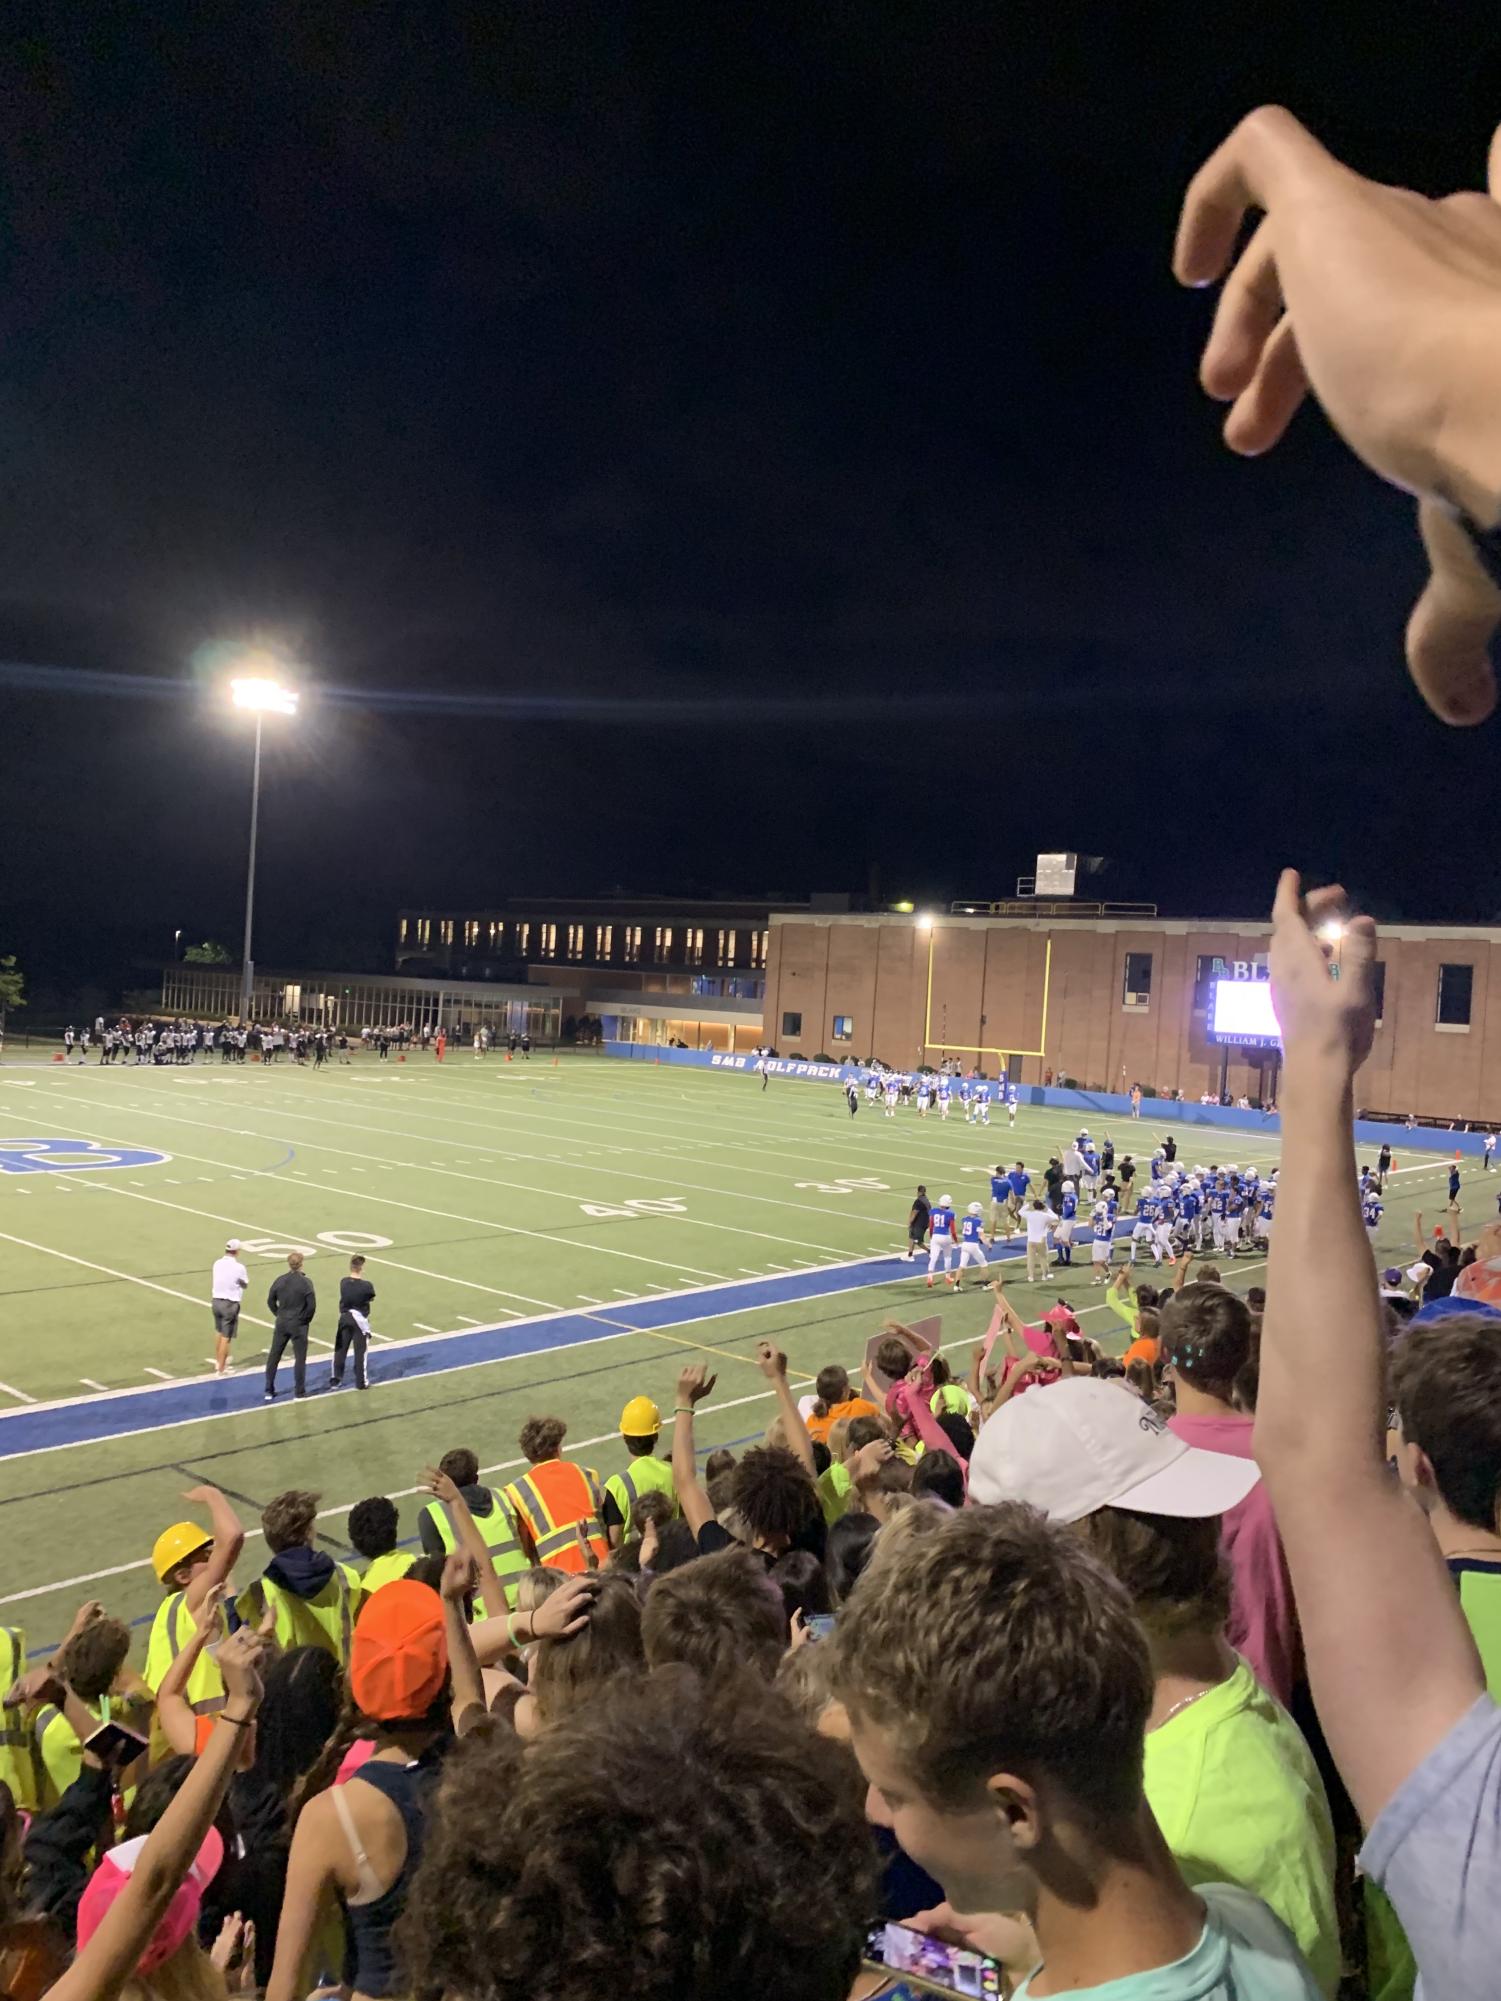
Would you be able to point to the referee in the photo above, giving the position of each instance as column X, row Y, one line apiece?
column 226, row 1290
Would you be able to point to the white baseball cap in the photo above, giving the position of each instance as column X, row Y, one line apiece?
column 1083, row 1444
column 233, row 1244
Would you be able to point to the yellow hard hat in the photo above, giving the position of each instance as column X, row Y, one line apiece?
column 640, row 1418
column 175, row 1545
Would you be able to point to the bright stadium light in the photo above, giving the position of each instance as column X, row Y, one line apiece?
column 263, row 696
column 1332, row 931
column 259, row 695
column 925, row 920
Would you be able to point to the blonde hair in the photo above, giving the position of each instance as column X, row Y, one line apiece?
column 189, row 1975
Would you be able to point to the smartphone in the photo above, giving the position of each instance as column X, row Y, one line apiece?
column 954, row 1968
column 819, row 1624
column 115, row 1746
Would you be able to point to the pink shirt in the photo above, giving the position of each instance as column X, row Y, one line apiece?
column 1263, row 1623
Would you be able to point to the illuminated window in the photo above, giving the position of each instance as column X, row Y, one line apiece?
column 403, row 930
column 632, row 944
column 523, row 940
column 604, row 941
column 445, row 930
column 844, row 1028
column 726, row 948
column 471, row 931
column 497, row 933
column 549, row 941
column 693, row 940
column 575, row 941
column 758, row 948
column 424, row 930
column 662, row 944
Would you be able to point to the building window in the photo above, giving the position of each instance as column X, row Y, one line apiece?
column 633, row 944
column 693, row 942
column 758, row 948
column 403, row 930
column 523, row 940
column 575, row 941
column 844, row 1028
column 792, row 1024
column 445, row 930
column 726, row 949
column 497, row 932
column 1136, row 982
column 471, row 931
column 1378, row 988
column 424, row 930
column 549, row 941
column 604, row 942
column 1455, row 985
column 662, row 944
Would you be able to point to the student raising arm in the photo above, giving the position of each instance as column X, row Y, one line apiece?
column 1393, row 1668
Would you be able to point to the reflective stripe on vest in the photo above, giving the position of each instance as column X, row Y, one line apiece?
column 324, row 1621
column 501, row 1536
column 13, row 1731
column 657, row 1481
column 552, row 1537
column 171, row 1630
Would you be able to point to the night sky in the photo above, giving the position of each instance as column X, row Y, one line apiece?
column 695, row 448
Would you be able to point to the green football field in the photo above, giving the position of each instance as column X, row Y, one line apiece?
column 566, row 1200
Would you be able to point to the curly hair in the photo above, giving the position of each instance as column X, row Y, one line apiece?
column 996, row 1642
column 568, row 1673
column 93, row 1657
column 698, row 1848
column 288, row 1519
column 372, row 1526
column 771, row 1489
column 542, row 1438
column 717, row 1616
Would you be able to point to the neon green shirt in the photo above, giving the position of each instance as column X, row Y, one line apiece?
column 1239, row 1800
column 834, row 1487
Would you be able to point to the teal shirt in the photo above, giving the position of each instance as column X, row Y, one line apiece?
column 1243, row 1954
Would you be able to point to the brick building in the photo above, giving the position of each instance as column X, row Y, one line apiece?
column 1110, row 1001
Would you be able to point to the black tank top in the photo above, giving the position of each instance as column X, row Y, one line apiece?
column 409, row 1789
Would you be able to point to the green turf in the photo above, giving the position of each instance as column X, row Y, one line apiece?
column 483, row 1176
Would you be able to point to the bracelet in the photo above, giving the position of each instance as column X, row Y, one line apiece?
column 240, row 1722
column 683, row 1410
column 511, row 1618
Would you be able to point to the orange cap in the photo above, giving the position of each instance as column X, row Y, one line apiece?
column 399, row 1659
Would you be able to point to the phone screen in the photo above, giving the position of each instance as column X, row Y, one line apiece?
column 819, row 1624
column 952, row 1966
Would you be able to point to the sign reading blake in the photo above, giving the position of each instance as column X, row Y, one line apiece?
column 1211, row 967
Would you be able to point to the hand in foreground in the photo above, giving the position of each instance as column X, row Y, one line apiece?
column 87, row 1613
column 586, row 1548
column 207, row 1615
column 38, row 1684
column 438, row 1485
column 995, row 1933
column 233, row 1952
column 566, row 1611
column 1322, row 1019
column 865, row 1466
column 1381, row 302
column 457, row 1579
column 695, row 1383
column 770, row 1360
column 239, row 1659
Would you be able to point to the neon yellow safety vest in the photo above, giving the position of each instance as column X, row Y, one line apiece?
column 17, row 1760
column 58, row 1747
column 646, row 1474
column 1480, row 1601
column 171, row 1630
column 502, row 1539
column 326, row 1620
column 386, row 1569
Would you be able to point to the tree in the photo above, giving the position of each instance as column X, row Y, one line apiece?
column 12, row 985
column 206, row 954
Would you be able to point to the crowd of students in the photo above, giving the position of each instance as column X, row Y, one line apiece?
column 1042, row 1664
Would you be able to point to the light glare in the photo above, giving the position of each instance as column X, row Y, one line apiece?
column 1332, row 931
column 263, row 697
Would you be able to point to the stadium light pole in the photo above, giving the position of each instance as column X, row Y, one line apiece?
column 259, row 696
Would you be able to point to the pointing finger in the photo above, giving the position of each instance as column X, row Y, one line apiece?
column 1268, row 153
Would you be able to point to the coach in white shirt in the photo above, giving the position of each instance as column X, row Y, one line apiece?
column 1039, row 1219
column 227, row 1290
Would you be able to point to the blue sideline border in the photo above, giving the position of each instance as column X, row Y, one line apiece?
column 1154, row 1111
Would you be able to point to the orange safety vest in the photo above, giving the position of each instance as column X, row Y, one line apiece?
column 548, row 1501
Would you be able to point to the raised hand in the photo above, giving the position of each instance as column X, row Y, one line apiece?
column 566, row 1611
column 1323, row 1019
column 770, row 1360
column 239, row 1659
column 1382, row 303
column 438, row 1485
column 457, row 1579
column 695, row 1383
